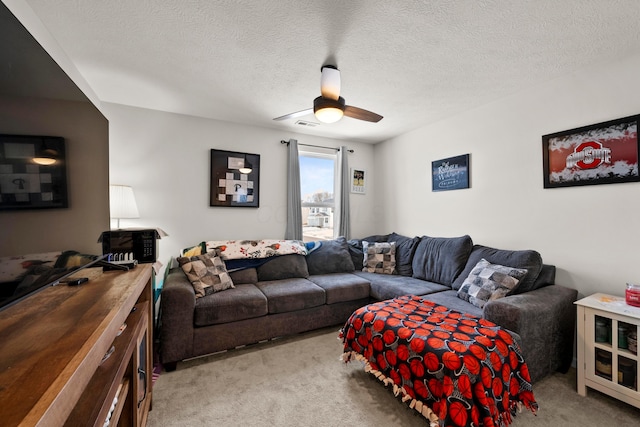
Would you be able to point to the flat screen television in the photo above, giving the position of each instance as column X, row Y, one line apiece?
column 38, row 274
column 37, row 97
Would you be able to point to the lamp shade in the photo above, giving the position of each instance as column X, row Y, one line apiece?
column 122, row 203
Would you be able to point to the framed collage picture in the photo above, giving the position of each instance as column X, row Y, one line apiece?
column 32, row 172
column 235, row 179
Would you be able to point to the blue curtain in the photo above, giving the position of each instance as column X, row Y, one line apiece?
column 344, row 227
column 293, row 230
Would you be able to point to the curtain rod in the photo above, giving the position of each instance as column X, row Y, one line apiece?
column 316, row 146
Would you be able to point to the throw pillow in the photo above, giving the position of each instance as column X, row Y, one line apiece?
column 488, row 282
column 405, row 249
column 529, row 259
column 70, row 259
column 331, row 257
column 198, row 249
column 207, row 273
column 312, row 246
column 355, row 247
column 441, row 259
column 379, row 257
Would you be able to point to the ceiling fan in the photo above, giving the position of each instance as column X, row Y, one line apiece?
column 330, row 106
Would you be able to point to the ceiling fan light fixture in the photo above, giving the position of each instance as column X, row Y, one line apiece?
column 45, row 161
column 328, row 110
column 246, row 167
column 46, row 157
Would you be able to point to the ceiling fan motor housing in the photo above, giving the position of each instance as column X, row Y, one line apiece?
column 320, row 102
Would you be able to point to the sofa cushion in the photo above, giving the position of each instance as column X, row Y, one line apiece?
column 405, row 249
column 488, row 282
column 207, row 273
column 245, row 301
column 441, row 259
column 331, row 257
column 283, row 267
column 528, row 259
column 340, row 287
column 385, row 286
column 379, row 257
column 449, row 299
column 291, row 294
column 247, row 275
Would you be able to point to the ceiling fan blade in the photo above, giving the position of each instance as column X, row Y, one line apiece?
column 330, row 82
column 295, row 115
column 361, row 114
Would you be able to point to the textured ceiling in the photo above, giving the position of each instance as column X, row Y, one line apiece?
column 414, row 62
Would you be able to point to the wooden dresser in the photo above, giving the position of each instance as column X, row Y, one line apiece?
column 52, row 347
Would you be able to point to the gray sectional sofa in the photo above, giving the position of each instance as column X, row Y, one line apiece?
column 290, row 294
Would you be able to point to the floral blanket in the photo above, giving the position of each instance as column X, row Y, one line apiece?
column 455, row 369
column 251, row 249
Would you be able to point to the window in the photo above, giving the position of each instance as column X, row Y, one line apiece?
column 317, row 187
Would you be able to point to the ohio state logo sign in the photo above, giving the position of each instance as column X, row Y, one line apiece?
column 589, row 155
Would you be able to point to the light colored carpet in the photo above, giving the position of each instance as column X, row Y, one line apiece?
column 300, row 381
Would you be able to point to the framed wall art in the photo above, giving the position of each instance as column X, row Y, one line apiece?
column 235, row 179
column 450, row 174
column 358, row 181
column 603, row 153
column 33, row 172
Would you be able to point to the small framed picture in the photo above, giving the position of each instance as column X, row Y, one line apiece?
column 358, row 181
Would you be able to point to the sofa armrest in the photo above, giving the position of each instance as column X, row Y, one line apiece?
column 177, row 307
column 545, row 320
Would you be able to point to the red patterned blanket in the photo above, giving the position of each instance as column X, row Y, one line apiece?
column 455, row 369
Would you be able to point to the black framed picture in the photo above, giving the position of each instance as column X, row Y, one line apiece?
column 32, row 172
column 235, row 179
column 450, row 174
column 603, row 153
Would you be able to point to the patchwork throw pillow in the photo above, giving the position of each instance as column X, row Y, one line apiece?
column 488, row 282
column 207, row 273
column 379, row 257
column 355, row 247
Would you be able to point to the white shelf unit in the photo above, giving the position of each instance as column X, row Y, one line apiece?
column 604, row 364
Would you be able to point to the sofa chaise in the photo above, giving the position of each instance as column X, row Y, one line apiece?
column 295, row 293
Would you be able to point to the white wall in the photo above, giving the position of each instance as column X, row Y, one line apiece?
column 590, row 233
column 165, row 158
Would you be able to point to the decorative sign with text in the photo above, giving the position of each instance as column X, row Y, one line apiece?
column 450, row 174
column 604, row 153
